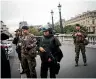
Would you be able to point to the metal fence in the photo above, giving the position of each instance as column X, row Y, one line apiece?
column 68, row 37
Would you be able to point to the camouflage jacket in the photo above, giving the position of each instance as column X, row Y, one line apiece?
column 28, row 45
column 79, row 38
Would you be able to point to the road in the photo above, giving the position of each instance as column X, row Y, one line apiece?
column 15, row 64
column 68, row 69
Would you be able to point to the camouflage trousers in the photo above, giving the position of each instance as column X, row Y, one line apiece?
column 80, row 47
column 29, row 65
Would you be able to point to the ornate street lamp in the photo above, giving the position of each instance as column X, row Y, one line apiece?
column 52, row 19
column 59, row 7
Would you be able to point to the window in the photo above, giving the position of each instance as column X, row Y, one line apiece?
column 89, row 29
column 93, row 21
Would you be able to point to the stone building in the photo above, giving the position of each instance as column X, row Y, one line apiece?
column 86, row 19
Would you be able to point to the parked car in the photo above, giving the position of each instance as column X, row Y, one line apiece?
column 8, row 46
column 10, row 39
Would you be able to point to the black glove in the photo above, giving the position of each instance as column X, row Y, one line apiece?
column 28, row 47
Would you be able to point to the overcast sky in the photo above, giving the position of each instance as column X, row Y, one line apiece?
column 37, row 12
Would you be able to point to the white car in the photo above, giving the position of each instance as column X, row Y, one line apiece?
column 8, row 46
column 10, row 49
column 10, row 39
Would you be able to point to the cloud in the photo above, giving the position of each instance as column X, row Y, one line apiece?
column 9, row 10
column 37, row 12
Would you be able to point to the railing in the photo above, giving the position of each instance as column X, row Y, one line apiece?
column 92, row 39
column 68, row 37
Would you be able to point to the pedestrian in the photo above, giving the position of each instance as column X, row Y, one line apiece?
column 28, row 53
column 50, row 54
column 79, row 37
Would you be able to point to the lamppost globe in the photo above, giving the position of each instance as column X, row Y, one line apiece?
column 59, row 7
column 52, row 12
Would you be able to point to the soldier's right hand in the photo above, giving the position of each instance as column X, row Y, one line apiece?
column 76, row 34
column 41, row 49
column 79, row 33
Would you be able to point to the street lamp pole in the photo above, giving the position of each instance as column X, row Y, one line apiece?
column 59, row 7
column 52, row 19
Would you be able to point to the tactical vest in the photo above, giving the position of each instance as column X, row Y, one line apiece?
column 47, row 42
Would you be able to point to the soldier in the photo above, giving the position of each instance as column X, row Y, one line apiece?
column 49, row 55
column 28, row 53
column 79, row 37
column 17, row 42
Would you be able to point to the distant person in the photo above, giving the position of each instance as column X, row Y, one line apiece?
column 50, row 54
column 79, row 40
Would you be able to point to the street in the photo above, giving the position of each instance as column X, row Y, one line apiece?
column 68, row 69
column 42, row 25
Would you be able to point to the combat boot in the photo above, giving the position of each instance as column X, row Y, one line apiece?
column 85, row 64
column 22, row 72
column 76, row 64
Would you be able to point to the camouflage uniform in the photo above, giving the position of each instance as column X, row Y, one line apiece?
column 18, row 48
column 79, row 45
column 28, row 49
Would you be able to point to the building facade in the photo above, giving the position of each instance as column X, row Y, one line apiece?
column 4, row 29
column 87, row 19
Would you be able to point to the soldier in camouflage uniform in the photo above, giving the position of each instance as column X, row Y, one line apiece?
column 79, row 37
column 17, row 42
column 28, row 53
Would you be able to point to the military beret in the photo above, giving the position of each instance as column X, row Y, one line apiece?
column 77, row 25
column 25, row 27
